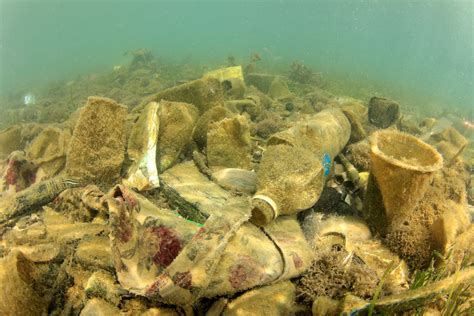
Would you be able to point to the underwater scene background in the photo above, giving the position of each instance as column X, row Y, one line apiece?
column 418, row 52
column 236, row 157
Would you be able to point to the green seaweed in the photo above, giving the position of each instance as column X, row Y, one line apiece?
column 378, row 290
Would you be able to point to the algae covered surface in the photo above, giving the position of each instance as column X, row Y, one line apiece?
column 236, row 158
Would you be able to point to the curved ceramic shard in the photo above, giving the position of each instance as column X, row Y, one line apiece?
column 228, row 143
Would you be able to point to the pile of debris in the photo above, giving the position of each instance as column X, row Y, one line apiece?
column 233, row 195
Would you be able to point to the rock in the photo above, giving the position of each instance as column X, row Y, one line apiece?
column 324, row 306
column 81, row 204
column 96, row 151
column 450, row 144
column 408, row 125
column 60, row 229
column 268, row 126
column 98, row 307
column 160, row 311
column 17, row 293
column 352, row 305
column 95, row 253
column 277, row 299
column 103, row 285
column 261, row 81
column 47, row 252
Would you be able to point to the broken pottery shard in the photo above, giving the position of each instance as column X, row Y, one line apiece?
column 35, row 196
column 177, row 120
column 203, row 93
column 236, row 180
column 449, row 225
column 10, row 140
column 17, row 294
column 352, row 228
column 202, row 126
column 142, row 143
column 228, row 143
column 279, row 89
column 358, row 132
column 96, row 151
column 48, row 150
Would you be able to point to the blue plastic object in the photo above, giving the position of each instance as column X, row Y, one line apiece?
column 326, row 164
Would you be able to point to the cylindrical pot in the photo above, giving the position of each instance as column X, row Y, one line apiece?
column 402, row 168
